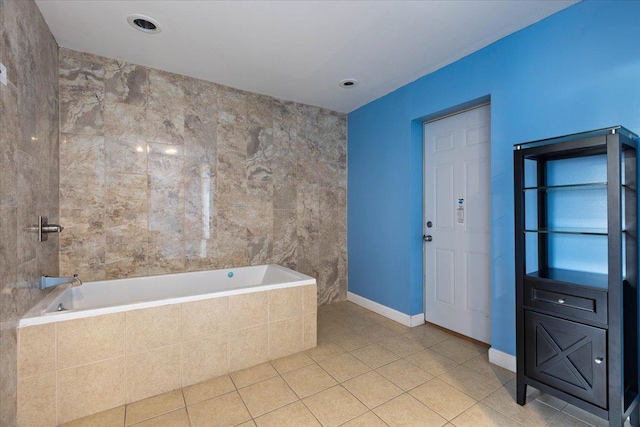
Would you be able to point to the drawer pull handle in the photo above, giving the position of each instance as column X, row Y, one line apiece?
column 598, row 360
column 561, row 301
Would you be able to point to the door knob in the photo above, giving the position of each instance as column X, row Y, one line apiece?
column 427, row 238
column 598, row 360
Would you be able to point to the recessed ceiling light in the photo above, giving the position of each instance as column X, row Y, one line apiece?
column 144, row 23
column 348, row 83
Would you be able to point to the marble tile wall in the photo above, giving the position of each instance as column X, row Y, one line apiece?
column 28, row 176
column 162, row 173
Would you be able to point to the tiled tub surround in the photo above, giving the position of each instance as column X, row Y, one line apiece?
column 161, row 173
column 28, row 176
column 74, row 368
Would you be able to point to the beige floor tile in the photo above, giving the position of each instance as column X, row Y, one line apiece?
column 394, row 326
column 377, row 318
column 404, row 374
column 177, row 418
column 468, row 342
column 401, row 345
column 585, row 416
column 249, row 423
column 565, row 420
column 432, row 362
column 533, row 414
column 366, row 420
column 376, row 333
column 482, row 365
column 225, row 410
column 372, row 389
column 470, row 382
column 437, row 330
column 110, row 418
column 455, row 350
column 154, row 406
column 330, row 328
column 267, row 396
column 309, row 380
column 293, row 415
column 253, row 375
column 324, row 351
column 535, row 394
column 425, row 337
column 480, row 415
column 405, row 411
column 374, row 355
column 208, row 389
column 334, row 406
column 292, row 362
column 350, row 340
column 344, row 367
column 443, row 398
column 356, row 321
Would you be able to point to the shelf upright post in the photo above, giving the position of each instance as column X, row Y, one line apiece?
column 518, row 164
column 614, row 228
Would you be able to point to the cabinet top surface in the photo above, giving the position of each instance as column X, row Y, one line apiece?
column 582, row 135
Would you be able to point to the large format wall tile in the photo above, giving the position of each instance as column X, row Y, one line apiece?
column 29, row 187
column 181, row 174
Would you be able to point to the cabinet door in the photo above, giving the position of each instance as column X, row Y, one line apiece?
column 567, row 355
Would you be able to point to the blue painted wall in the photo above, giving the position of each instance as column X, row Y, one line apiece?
column 574, row 71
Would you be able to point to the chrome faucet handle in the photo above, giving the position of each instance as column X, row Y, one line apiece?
column 44, row 228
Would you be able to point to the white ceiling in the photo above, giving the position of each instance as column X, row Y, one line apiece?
column 295, row 50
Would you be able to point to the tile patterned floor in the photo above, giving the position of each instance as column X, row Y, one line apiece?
column 366, row 371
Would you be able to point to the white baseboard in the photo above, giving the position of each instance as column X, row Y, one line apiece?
column 387, row 312
column 502, row 359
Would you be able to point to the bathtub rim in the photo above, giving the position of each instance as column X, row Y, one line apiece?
column 38, row 314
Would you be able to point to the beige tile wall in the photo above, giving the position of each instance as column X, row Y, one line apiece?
column 71, row 369
column 162, row 173
column 28, row 176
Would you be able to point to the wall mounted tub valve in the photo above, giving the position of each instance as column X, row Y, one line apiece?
column 44, row 228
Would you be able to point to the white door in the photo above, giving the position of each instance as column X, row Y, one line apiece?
column 457, row 223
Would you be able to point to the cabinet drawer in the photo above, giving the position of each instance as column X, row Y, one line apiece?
column 571, row 301
column 566, row 355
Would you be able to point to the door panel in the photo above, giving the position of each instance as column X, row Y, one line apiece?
column 478, row 269
column 445, row 270
column 457, row 189
column 444, row 194
column 567, row 355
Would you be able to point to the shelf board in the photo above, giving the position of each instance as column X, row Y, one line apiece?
column 581, row 278
column 585, row 186
column 569, row 230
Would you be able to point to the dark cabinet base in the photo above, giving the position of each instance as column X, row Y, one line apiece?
column 567, row 355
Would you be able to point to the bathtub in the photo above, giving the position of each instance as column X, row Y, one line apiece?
column 120, row 341
column 114, row 296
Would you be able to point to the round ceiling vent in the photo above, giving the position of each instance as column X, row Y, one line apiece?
column 144, row 24
column 348, row 83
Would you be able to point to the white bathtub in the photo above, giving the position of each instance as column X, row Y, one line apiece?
column 115, row 296
column 121, row 341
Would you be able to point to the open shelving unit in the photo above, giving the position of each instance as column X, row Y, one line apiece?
column 576, row 271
